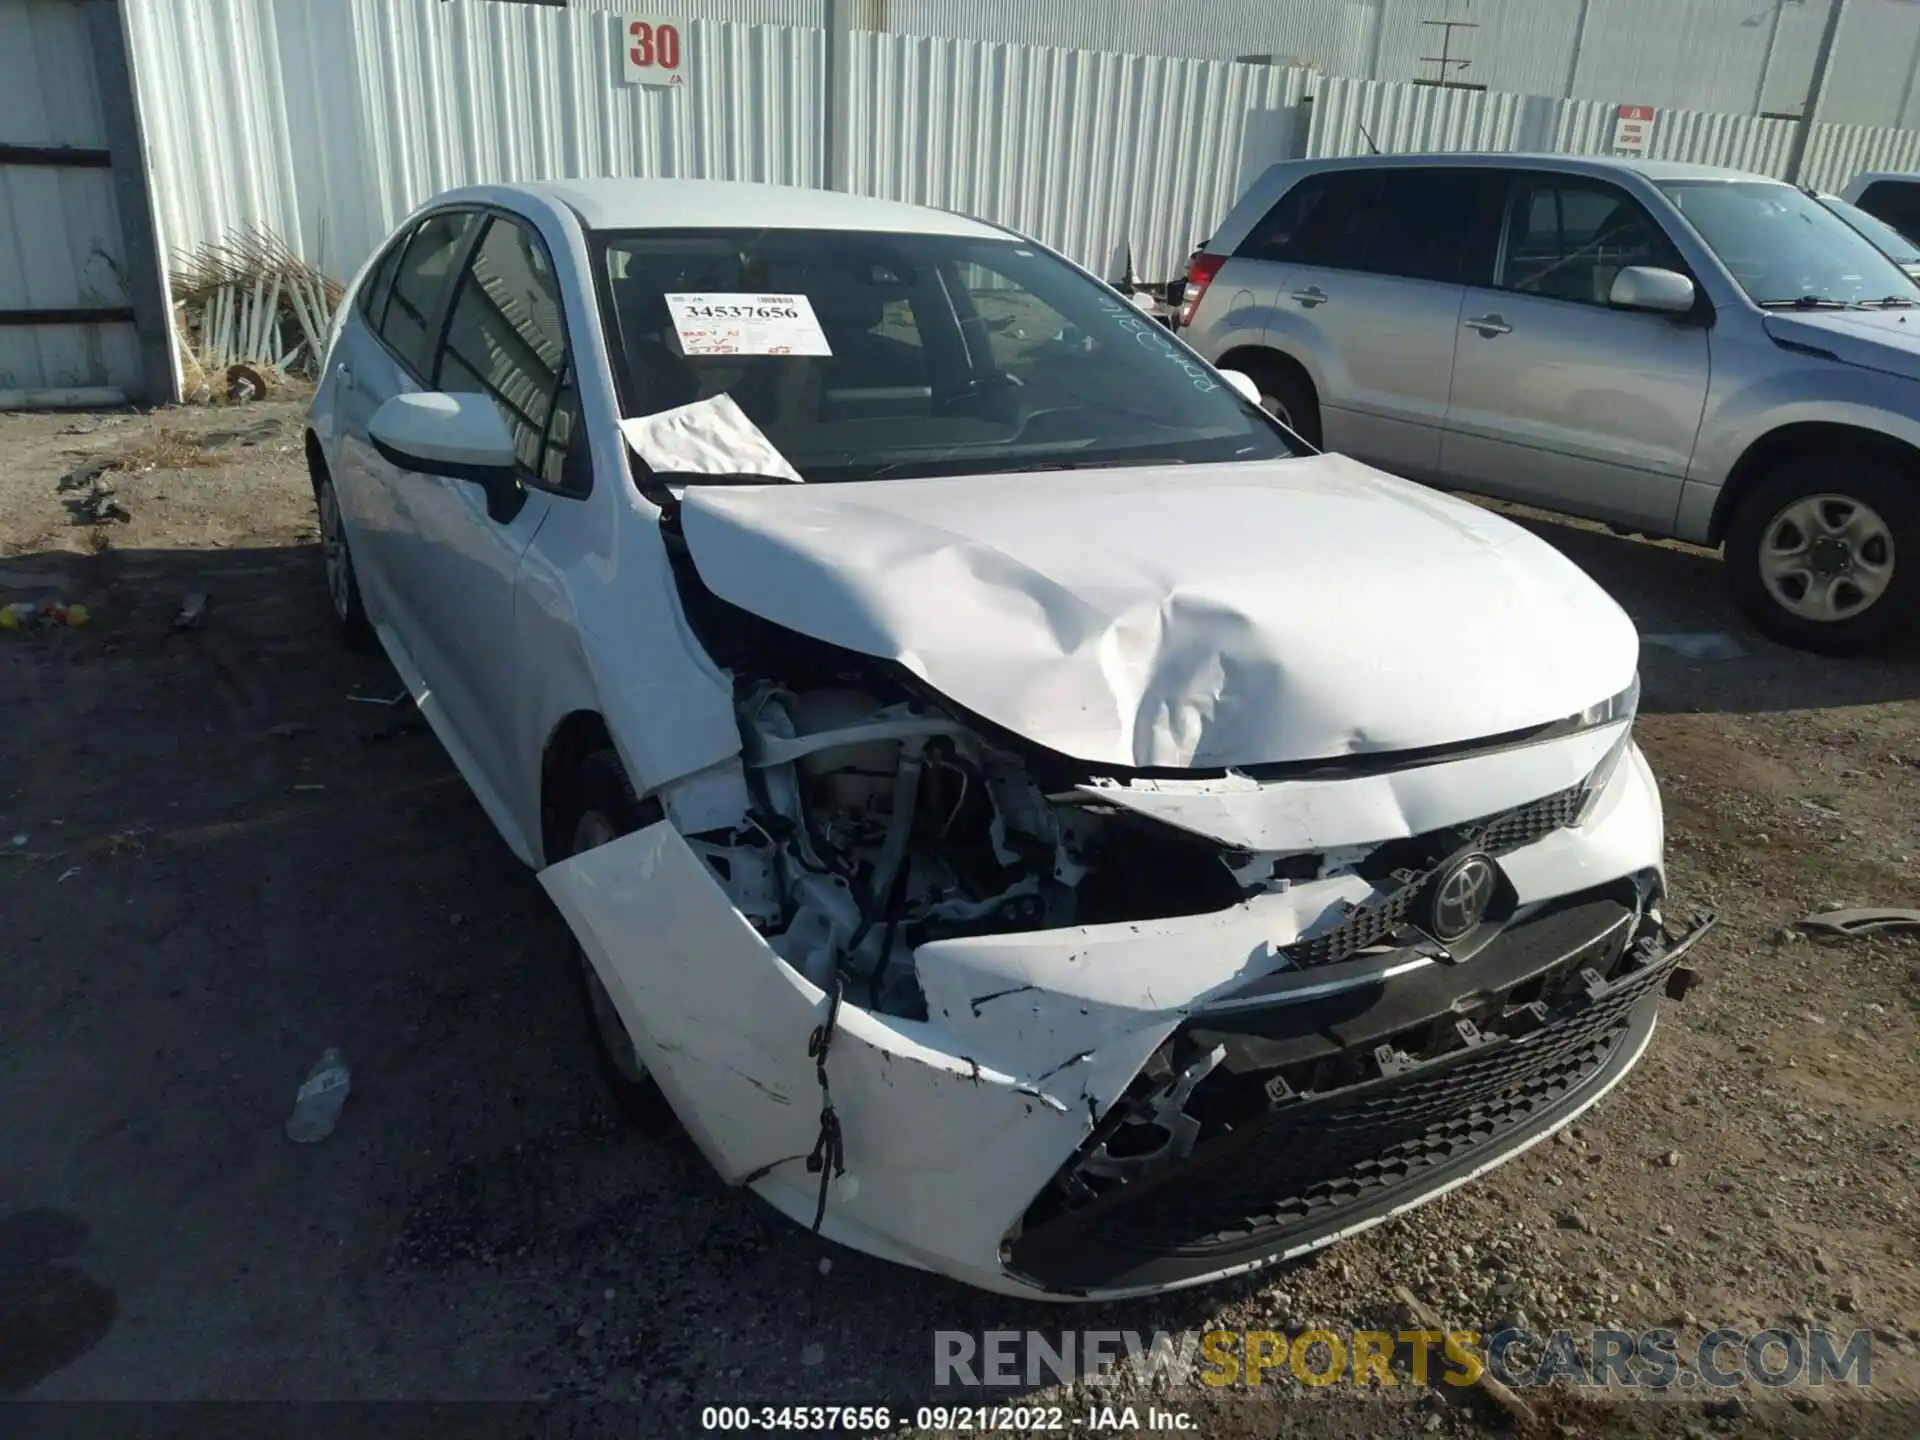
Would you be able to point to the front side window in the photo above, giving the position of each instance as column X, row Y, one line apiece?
column 506, row 340
column 1567, row 239
column 1784, row 248
column 420, row 284
column 945, row 354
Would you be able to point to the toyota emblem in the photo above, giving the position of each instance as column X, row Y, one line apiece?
column 1462, row 891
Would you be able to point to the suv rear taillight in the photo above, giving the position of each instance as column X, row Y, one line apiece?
column 1200, row 272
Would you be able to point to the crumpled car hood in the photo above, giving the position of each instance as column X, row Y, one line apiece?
column 1884, row 340
column 1182, row 616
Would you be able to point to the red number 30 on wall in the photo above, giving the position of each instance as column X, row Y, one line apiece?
column 654, row 45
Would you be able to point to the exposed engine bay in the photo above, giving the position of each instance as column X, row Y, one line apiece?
column 879, row 825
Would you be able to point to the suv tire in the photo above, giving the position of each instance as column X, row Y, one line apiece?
column 1287, row 395
column 1823, row 552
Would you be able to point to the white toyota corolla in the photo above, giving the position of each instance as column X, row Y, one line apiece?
column 1024, row 813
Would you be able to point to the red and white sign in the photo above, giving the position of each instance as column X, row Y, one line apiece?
column 1633, row 129
column 652, row 51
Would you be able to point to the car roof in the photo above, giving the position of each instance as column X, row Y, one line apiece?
column 1654, row 170
column 631, row 204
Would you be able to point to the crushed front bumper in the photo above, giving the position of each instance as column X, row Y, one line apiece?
column 1363, row 1103
column 1346, row 1091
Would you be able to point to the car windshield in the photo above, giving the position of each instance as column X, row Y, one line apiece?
column 1895, row 246
column 864, row 355
column 1784, row 247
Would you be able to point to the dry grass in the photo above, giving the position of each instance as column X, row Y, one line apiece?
column 160, row 448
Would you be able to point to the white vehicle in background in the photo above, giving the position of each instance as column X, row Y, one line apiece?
column 1888, row 241
column 1889, row 195
column 1026, row 815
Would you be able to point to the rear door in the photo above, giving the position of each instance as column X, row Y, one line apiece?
column 1370, row 302
column 1559, row 399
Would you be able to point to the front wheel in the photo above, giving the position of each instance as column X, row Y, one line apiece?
column 601, row 807
column 1824, row 553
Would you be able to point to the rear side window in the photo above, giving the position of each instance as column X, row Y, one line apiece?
column 373, row 295
column 1895, row 201
column 1324, row 220
column 506, row 340
column 420, row 284
column 1567, row 239
column 1412, row 223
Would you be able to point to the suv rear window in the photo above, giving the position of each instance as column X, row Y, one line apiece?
column 1895, row 201
column 1415, row 223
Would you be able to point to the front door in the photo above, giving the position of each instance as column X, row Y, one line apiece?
column 1559, row 399
column 502, row 337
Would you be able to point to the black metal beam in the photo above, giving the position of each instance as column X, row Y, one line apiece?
column 73, row 155
column 82, row 315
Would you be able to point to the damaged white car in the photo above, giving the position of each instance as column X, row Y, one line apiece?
column 1025, row 814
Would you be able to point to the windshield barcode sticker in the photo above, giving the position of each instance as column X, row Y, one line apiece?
column 729, row 324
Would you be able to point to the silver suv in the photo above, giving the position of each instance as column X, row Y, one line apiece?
column 1676, row 350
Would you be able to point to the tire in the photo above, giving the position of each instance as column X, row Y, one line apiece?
column 343, row 585
column 1854, row 519
column 1288, row 396
column 600, row 806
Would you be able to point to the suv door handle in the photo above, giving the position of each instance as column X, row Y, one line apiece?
column 1488, row 325
column 1311, row 296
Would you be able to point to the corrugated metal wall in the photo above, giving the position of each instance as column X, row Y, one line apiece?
column 1741, row 57
column 61, row 246
column 1837, row 153
column 1093, row 153
column 1404, row 118
column 328, row 120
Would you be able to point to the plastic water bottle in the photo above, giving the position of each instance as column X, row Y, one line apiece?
column 317, row 1105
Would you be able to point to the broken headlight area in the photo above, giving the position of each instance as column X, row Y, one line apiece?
column 1307, row 1106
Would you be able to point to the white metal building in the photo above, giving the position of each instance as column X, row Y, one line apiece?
column 1740, row 57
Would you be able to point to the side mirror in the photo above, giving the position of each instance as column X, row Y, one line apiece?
column 1648, row 287
column 1242, row 383
column 460, row 437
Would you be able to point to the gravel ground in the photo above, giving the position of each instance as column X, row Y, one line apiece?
column 215, row 864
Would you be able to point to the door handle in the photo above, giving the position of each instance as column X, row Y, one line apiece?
column 1311, row 296
column 346, row 375
column 1488, row 325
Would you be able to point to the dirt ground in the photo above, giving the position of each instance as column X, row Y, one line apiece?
column 214, row 863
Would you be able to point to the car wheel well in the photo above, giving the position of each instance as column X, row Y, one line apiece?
column 1778, row 446
column 1253, row 358
column 578, row 735
column 316, row 461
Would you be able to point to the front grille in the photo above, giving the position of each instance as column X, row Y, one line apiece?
column 1319, row 1164
column 1376, row 922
